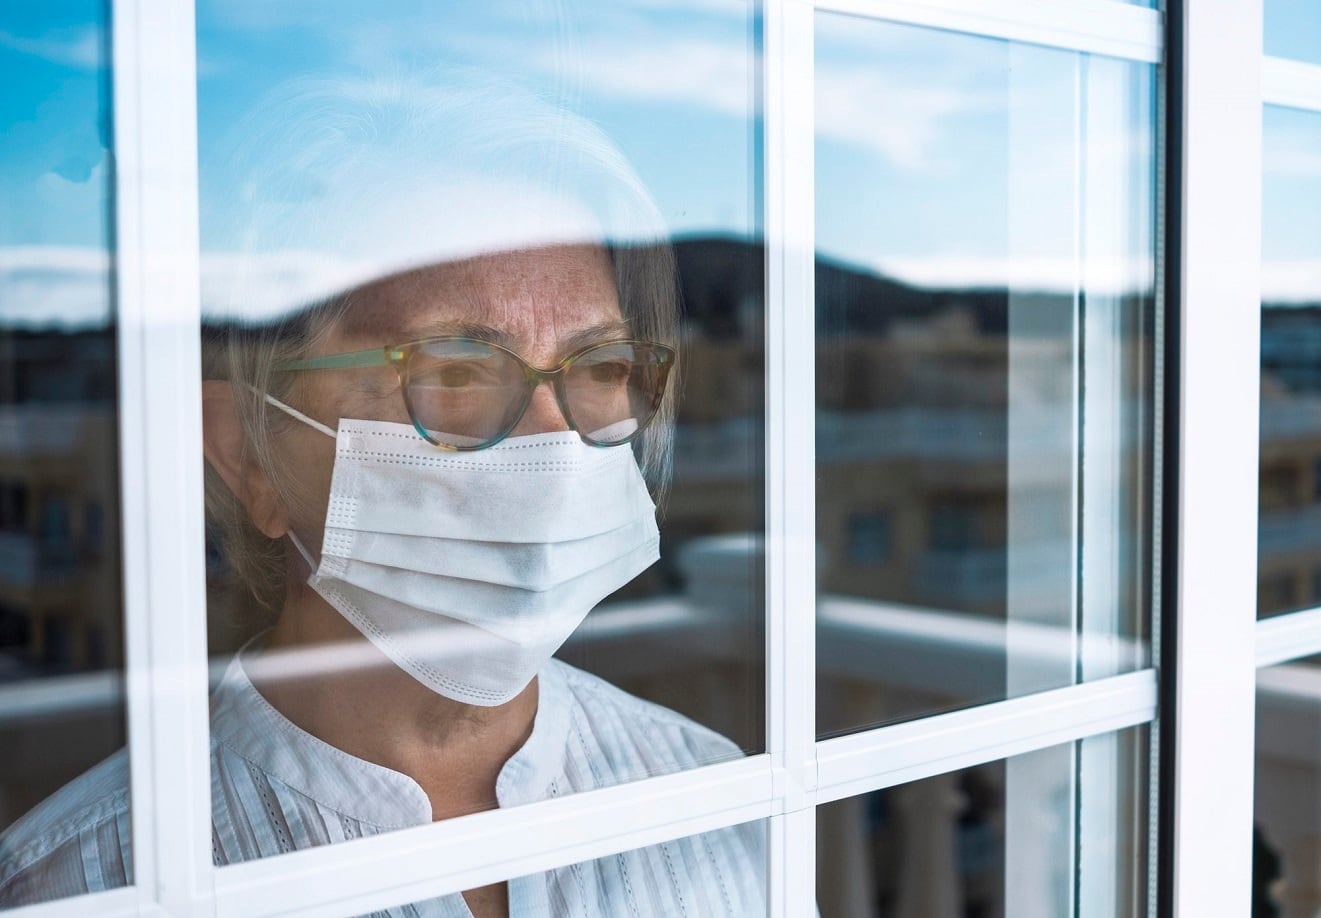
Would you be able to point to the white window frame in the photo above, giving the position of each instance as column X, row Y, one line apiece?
column 1217, row 249
column 1209, row 650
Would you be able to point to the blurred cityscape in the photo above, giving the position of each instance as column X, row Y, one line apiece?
column 60, row 567
column 913, row 398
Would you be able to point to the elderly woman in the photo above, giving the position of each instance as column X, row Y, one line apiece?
column 431, row 475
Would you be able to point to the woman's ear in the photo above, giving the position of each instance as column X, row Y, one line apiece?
column 223, row 444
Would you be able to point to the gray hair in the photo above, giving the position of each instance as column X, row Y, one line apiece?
column 318, row 155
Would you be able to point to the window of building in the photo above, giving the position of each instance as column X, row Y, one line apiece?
column 871, row 537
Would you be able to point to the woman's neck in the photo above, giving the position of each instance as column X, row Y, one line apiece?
column 318, row 671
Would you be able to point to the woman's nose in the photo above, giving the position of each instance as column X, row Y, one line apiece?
column 543, row 414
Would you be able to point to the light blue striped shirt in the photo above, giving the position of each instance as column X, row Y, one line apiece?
column 276, row 788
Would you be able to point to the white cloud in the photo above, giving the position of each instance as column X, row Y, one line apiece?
column 82, row 48
column 702, row 73
column 54, row 287
column 68, row 287
column 903, row 123
column 272, row 285
column 1285, row 282
column 1036, row 274
column 718, row 7
column 1295, row 281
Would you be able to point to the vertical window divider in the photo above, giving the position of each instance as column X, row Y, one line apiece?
column 790, row 451
column 1218, row 87
column 158, row 316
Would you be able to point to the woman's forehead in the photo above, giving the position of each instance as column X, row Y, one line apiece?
column 520, row 294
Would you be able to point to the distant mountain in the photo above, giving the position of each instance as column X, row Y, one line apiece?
column 718, row 276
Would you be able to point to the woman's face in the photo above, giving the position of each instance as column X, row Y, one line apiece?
column 541, row 303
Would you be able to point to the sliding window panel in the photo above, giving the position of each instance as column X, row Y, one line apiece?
column 1286, row 869
column 482, row 295
column 1289, row 521
column 1060, row 831
column 64, row 809
column 1293, row 30
column 985, row 307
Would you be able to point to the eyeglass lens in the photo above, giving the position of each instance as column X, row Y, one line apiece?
column 468, row 394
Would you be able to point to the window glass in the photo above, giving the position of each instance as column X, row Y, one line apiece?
column 1293, row 30
column 1059, row 831
column 1289, row 508
column 482, row 326
column 984, row 287
column 61, row 612
column 720, row 874
column 1287, row 801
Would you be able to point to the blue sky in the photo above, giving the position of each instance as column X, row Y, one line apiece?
column 941, row 158
column 55, row 134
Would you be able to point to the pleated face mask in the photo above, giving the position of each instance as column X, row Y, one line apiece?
column 470, row 569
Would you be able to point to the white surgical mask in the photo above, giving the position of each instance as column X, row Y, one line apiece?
column 470, row 569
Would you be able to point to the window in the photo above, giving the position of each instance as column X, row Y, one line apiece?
column 1287, row 532
column 984, row 364
column 62, row 613
column 871, row 538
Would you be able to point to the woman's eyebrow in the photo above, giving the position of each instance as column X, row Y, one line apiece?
column 460, row 329
column 583, row 337
column 593, row 334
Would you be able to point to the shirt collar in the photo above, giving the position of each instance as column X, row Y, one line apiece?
column 245, row 722
column 530, row 772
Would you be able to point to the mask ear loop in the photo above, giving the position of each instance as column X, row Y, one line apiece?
column 295, row 413
column 317, row 425
column 307, row 555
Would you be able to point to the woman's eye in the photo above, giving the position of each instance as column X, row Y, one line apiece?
column 610, row 373
column 453, row 376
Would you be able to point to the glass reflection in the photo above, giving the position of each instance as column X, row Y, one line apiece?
column 1288, row 535
column 1001, row 839
column 1288, row 790
column 1293, row 30
column 984, row 313
column 61, row 616
column 392, row 204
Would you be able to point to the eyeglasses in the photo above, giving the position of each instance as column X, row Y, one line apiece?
column 468, row 394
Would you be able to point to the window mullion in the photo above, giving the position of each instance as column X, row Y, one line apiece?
column 1218, row 308
column 790, row 449
column 154, row 76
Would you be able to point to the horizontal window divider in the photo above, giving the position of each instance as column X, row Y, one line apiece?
column 1296, row 686
column 115, row 903
column 951, row 653
column 1091, row 26
column 424, row 862
column 899, row 754
column 400, row 867
column 1288, row 637
column 1292, row 84
column 52, row 698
